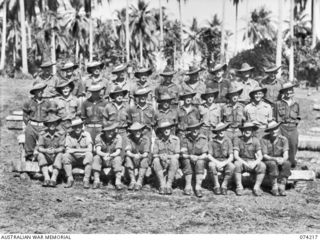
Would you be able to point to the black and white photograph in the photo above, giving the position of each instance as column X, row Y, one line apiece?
column 159, row 117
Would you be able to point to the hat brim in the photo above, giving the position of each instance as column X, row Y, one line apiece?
column 141, row 94
column 89, row 68
column 264, row 90
column 222, row 128
column 56, row 119
column 196, row 126
column 287, row 88
column 167, row 74
column 194, row 71
column 111, row 128
column 135, row 129
column 206, row 95
column 164, row 100
column 165, row 127
column 78, row 124
column 119, row 70
column 70, row 82
column 186, row 95
column 271, row 70
column 273, row 128
column 41, row 87
column 245, row 69
column 124, row 93
column 95, row 90
column 43, row 66
column 147, row 72
column 238, row 92
column 253, row 127
column 75, row 66
column 214, row 70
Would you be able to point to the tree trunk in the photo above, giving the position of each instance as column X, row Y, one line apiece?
column 112, row 21
column 141, row 49
column 28, row 27
column 236, row 31
column 4, row 36
column 90, row 39
column 181, row 31
column 291, row 60
column 127, row 32
column 53, row 47
column 23, row 38
column 314, row 22
column 279, row 36
column 77, row 50
column 161, row 25
column 223, row 33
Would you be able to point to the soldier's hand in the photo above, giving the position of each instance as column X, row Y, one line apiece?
column 106, row 157
column 279, row 160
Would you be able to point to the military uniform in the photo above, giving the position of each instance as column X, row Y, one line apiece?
column 199, row 87
column 146, row 85
column 234, row 116
column 68, row 106
column 90, row 80
column 247, row 87
column 210, row 116
column 51, row 81
column 124, row 85
column 222, row 85
column 172, row 89
column 169, row 114
column 185, row 117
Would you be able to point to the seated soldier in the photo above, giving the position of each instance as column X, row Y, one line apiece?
column 194, row 151
column 50, row 147
column 221, row 158
column 108, row 147
column 210, row 111
column 78, row 153
column 137, row 155
column 248, row 158
column 275, row 150
column 166, row 151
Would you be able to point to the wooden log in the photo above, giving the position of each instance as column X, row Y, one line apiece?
column 316, row 107
column 302, row 175
column 14, row 122
column 307, row 142
column 77, row 171
column 17, row 112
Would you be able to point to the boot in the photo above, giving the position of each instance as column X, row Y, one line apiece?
column 171, row 175
column 239, row 187
column 216, row 184
column 142, row 173
column 256, row 189
column 118, row 183
column 188, row 187
column 96, row 180
column 68, row 171
column 225, row 183
column 132, row 179
column 159, row 174
column 87, row 172
column 45, row 173
column 274, row 189
column 198, row 189
column 282, row 187
column 53, row 181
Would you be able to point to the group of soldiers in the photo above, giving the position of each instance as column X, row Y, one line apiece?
column 227, row 123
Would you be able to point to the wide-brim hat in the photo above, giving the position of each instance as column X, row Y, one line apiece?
column 165, row 97
column 47, row 64
column 69, row 65
column 194, row 125
column 38, row 86
column 76, row 122
column 167, row 72
column 110, row 127
column 136, row 126
column 248, row 125
column 95, row 88
column 272, row 126
column 143, row 72
column 94, row 64
column 233, row 91
column 257, row 89
column 141, row 92
column 287, row 86
column 67, row 117
column 51, row 119
column 217, row 68
column 220, row 127
column 164, row 124
column 186, row 94
column 118, row 90
column 209, row 92
column 272, row 69
column 64, row 83
column 119, row 68
column 193, row 70
column 245, row 67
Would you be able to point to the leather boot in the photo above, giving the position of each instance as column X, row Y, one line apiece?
column 171, row 174
column 45, row 173
column 274, row 189
column 118, row 183
column 239, row 187
column 142, row 173
column 216, row 184
column 256, row 189
column 282, row 187
column 96, row 180
column 68, row 170
column 188, row 187
column 132, row 179
column 198, row 189
column 225, row 183
column 160, row 177
column 87, row 172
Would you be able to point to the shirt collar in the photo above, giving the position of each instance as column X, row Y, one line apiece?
column 118, row 106
column 142, row 107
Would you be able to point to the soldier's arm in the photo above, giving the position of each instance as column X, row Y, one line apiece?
column 41, row 147
column 26, row 112
column 118, row 147
column 62, row 144
column 101, row 153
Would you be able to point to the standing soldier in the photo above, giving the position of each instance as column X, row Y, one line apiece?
column 272, row 84
column 194, row 84
column 194, row 151
column 34, row 114
column 69, row 70
column 120, row 80
column 51, row 146
column 142, row 82
column 221, row 159
column 288, row 112
column 219, row 81
column 258, row 111
column 248, row 158
column 275, row 152
column 210, row 111
column 187, row 112
column 49, row 79
column 67, row 103
column 95, row 78
column 245, row 82
column 166, row 151
column 78, row 152
column 167, row 86
column 138, row 155
column 92, row 111
column 108, row 148
column 165, row 110
column 233, row 112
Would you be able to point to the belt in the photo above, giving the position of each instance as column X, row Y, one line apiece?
column 206, row 127
column 34, row 123
column 94, row 125
column 289, row 123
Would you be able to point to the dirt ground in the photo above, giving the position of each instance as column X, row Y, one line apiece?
column 27, row 207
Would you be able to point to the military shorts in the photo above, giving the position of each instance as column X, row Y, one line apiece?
column 77, row 159
column 115, row 163
column 50, row 159
column 258, row 169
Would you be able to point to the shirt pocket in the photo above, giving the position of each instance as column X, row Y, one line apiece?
column 135, row 117
column 89, row 111
column 282, row 110
column 294, row 111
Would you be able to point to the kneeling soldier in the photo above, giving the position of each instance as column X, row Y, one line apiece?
column 221, row 158
column 248, row 158
column 194, row 150
column 51, row 145
column 166, row 156
column 275, row 149
column 78, row 151
column 108, row 147
column 137, row 155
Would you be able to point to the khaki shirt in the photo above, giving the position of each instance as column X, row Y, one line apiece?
column 247, row 150
column 172, row 89
column 233, row 114
column 46, row 140
column 223, row 88
column 144, row 115
column 35, row 111
column 112, row 114
column 211, row 115
column 171, row 146
column 260, row 113
column 142, row 146
column 199, row 88
column 273, row 88
column 91, row 111
column 170, row 114
column 274, row 148
column 184, row 117
column 247, row 87
column 196, row 146
column 82, row 142
column 221, row 150
column 147, row 85
column 69, row 106
column 110, row 146
column 286, row 113
column 51, row 82
column 124, row 85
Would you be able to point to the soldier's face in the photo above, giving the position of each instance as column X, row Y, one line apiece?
column 38, row 94
column 219, row 73
column 137, row 134
column 167, row 131
column 167, row 79
column 110, row 134
column 234, row 98
column 69, row 72
column 143, row 79
column 258, row 96
column 52, row 126
column 95, row 94
column 274, row 132
column 245, row 75
column 165, row 105
column 220, row 134
column 188, row 100
column 96, row 71
column 247, row 132
column 77, row 129
column 118, row 98
column 142, row 99
column 195, row 132
column 273, row 75
column 193, row 77
column 210, row 99
column 46, row 71
column 66, row 90
column 121, row 76
column 289, row 93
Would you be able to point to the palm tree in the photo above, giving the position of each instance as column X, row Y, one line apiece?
column 193, row 42
column 236, row 3
column 279, row 37
column 260, row 26
column 291, row 60
column 181, row 25
column 127, row 32
column 3, row 6
column 222, row 45
column 142, row 25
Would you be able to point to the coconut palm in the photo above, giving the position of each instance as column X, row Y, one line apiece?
column 3, row 6
column 260, row 26
column 301, row 27
column 279, row 37
column 142, row 27
column 194, row 42
column 180, row 20
column 236, row 4
column 223, row 33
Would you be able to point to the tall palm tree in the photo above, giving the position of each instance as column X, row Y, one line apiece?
column 24, row 38
column 236, row 3
column 127, row 32
column 142, row 25
column 3, row 6
column 161, row 24
column 260, row 26
column 193, row 41
column 181, row 24
column 222, row 45
column 291, row 58
column 279, row 37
